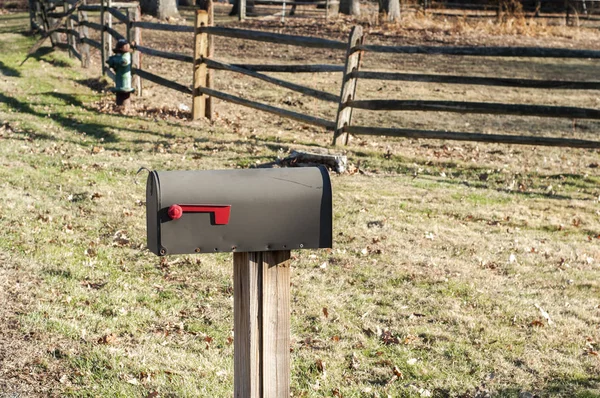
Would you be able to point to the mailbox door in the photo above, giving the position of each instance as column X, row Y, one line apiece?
column 268, row 209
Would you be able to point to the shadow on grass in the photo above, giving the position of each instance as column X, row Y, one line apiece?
column 94, row 129
column 8, row 71
column 588, row 387
column 43, row 52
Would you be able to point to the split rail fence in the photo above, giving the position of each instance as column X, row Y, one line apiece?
column 204, row 63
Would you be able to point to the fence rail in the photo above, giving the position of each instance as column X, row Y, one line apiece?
column 205, row 62
column 481, row 81
column 278, row 38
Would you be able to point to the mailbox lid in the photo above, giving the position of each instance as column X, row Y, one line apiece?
column 270, row 209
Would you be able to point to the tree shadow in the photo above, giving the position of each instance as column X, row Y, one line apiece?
column 97, row 130
column 8, row 71
column 584, row 387
column 42, row 52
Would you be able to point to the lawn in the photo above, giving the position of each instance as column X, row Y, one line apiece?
column 458, row 269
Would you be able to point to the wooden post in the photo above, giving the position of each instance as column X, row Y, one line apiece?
column 32, row 15
column 199, row 100
column 207, row 5
column 70, row 26
column 83, row 34
column 242, row 10
column 134, row 34
column 109, row 38
column 353, row 57
column 103, row 53
column 261, row 324
column 54, row 39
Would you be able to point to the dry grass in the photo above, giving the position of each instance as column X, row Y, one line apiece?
column 444, row 253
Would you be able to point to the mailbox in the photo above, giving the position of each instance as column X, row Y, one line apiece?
column 238, row 210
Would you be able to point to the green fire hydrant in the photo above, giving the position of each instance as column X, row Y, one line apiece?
column 121, row 64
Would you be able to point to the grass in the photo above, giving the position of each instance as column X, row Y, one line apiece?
column 441, row 254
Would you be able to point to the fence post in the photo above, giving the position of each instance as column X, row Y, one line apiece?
column 70, row 27
column 109, row 38
column 83, row 33
column 32, row 15
column 261, row 312
column 134, row 34
column 207, row 5
column 102, row 38
column 353, row 57
column 199, row 100
column 54, row 39
column 242, row 10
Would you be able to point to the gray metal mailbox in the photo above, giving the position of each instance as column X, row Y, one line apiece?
column 238, row 210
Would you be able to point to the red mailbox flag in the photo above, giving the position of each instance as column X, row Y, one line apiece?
column 221, row 212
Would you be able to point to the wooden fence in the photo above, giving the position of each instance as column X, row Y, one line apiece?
column 205, row 63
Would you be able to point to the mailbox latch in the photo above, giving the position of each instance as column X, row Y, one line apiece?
column 221, row 212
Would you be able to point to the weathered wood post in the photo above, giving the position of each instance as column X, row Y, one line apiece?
column 207, row 5
column 51, row 21
column 261, row 310
column 109, row 38
column 199, row 100
column 103, row 52
column 241, row 203
column 134, row 35
column 83, row 34
column 242, row 10
column 72, row 43
column 32, row 16
column 349, row 81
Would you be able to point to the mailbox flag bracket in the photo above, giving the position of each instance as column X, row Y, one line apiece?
column 221, row 212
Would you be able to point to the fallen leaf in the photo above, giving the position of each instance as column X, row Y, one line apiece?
column 388, row 338
column 320, row 366
column 537, row 322
column 325, row 312
column 108, row 339
column 397, row 372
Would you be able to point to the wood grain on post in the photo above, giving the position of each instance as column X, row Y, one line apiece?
column 210, row 53
column 262, row 324
column 276, row 324
column 242, row 10
column 353, row 56
column 102, row 38
column 246, row 337
column 135, row 35
column 207, row 5
column 200, row 52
